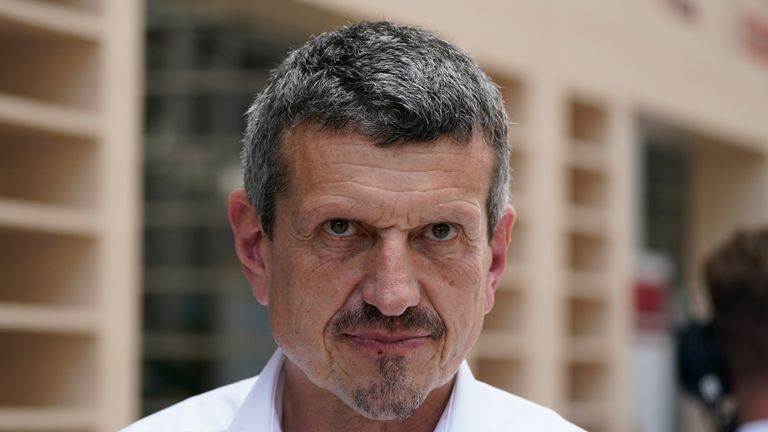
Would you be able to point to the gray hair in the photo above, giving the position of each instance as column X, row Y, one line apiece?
column 394, row 84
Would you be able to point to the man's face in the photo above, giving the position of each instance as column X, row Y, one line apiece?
column 379, row 271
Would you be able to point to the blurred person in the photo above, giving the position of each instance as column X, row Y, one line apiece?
column 737, row 280
column 374, row 225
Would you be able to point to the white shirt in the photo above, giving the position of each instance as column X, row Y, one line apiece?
column 255, row 405
column 755, row 426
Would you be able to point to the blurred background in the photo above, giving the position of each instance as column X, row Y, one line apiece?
column 639, row 141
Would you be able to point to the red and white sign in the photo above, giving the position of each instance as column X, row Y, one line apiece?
column 753, row 29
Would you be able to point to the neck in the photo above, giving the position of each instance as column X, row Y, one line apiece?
column 307, row 407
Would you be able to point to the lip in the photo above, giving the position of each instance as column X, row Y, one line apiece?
column 380, row 343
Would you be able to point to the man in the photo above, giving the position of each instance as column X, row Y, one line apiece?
column 374, row 225
column 737, row 279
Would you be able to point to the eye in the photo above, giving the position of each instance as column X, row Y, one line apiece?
column 441, row 232
column 340, row 228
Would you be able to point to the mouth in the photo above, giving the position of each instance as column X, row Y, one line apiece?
column 385, row 343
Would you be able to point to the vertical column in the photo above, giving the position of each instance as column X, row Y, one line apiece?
column 546, row 314
column 119, row 207
column 500, row 357
column 622, row 193
column 598, row 233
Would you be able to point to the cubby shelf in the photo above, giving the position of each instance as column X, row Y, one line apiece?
column 587, row 285
column 588, row 350
column 513, row 278
column 588, row 220
column 67, row 118
column 46, row 319
column 40, row 19
column 588, row 156
column 46, row 419
column 33, row 114
column 590, row 415
column 49, row 218
column 500, row 345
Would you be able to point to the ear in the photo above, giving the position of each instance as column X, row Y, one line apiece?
column 251, row 244
column 498, row 245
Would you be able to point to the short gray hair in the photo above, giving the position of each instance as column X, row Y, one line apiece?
column 392, row 83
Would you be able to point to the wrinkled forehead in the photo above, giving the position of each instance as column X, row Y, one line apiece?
column 408, row 185
column 308, row 145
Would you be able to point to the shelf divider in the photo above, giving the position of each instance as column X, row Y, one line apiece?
column 588, row 156
column 50, row 218
column 46, row 319
column 499, row 345
column 589, row 220
column 50, row 18
column 46, row 419
column 50, row 117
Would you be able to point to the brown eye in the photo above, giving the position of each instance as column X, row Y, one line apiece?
column 441, row 231
column 340, row 228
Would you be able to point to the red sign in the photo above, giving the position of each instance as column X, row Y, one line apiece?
column 752, row 29
column 650, row 306
column 754, row 35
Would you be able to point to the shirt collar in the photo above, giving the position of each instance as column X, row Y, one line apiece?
column 256, row 415
column 262, row 408
column 755, row 426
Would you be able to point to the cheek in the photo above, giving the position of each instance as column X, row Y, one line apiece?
column 458, row 295
column 462, row 281
column 307, row 291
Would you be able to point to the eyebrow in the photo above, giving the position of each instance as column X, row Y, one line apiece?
column 307, row 214
column 451, row 211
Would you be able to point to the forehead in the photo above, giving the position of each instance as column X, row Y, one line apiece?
column 325, row 165
column 311, row 151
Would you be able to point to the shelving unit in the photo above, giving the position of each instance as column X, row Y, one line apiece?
column 569, row 361
column 500, row 354
column 68, row 225
column 589, row 241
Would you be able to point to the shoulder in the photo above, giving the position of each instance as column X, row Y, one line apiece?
column 754, row 426
column 212, row 411
column 498, row 410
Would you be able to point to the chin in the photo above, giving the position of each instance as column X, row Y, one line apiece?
column 392, row 395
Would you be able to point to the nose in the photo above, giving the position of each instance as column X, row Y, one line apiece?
column 391, row 285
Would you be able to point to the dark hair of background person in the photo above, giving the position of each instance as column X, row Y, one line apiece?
column 737, row 279
column 393, row 84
